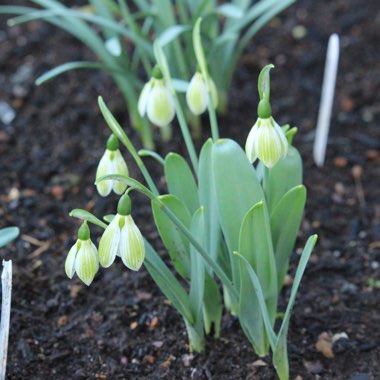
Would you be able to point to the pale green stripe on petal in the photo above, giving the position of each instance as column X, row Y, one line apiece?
column 105, row 166
column 196, row 95
column 86, row 263
column 70, row 260
column 160, row 109
column 132, row 250
column 119, row 167
column 283, row 140
column 268, row 145
column 109, row 243
column 250, row 146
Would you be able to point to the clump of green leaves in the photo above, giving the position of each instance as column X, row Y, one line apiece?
column 222, row 221
column 120, row 33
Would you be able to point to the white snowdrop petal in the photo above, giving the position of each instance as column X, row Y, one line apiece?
column 250, row 148
column 132, row 249
column 283, row 140
column 160, row 109
column 70, row 261
column 268, row 145
column 196, row 95
column 214, row 93
column 105, row 166
column 109, row 243
column 144, row 98
column 86, row 263
column 119, row 167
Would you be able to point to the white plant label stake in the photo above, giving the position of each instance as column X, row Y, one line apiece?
column 327, row 100
column 6, row 283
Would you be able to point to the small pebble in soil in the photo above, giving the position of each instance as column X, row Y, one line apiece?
column 349, row 288
column 340, row 162
column 313, row 367
column 324, row 345
column 7, row 113
column 187, row 359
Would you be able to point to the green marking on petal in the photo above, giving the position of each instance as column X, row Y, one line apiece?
column 109, row 243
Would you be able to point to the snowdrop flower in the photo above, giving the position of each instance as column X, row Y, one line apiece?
column 123, row 238
column 266, row 140
column 196, row 95
column 82, row 258
column 112, row 162
column 157, row 101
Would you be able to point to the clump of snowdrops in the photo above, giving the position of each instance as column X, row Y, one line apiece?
column 229, row 227
column 120, row 34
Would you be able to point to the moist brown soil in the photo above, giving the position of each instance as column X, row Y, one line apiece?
column 122, row 327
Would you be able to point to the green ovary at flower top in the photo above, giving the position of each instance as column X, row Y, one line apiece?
column 122, row 238
column 196, row 94
column 156, row 101
column 82, row 258
column 112, row 162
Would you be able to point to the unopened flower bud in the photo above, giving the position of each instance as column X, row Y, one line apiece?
column 112, row 162
column 196, row 95
column 156, row 101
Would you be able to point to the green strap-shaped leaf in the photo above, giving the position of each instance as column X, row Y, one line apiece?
column 68, row 66
column 256, row 286
column 207, row 198
column 256, row 246
column 181, row 182
column 285, row 175
column 172, row 33
column 167, row 283
column 280, row 352
column 175, row 242
column 219, row 271
column 238, row 190
column 197, row 278
column 8, row 234
column 212, row 306
column 285, row 222
column 230, row 10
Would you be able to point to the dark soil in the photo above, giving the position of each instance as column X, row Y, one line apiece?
column 122, row 327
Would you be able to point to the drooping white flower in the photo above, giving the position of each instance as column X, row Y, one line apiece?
column 267, row 142
column 196, row 94
column 83, row 258
column 112, row 162
column 122, row 238
column 156, row 101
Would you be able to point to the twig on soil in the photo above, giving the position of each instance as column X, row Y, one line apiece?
column 357, row 172
column 327, row 100
column 6, row 284
column 43, row 245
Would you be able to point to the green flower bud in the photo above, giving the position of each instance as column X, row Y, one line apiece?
column 112, row 143
column 156, row 101
column 124, row 206
column 264, row 110
column 157, row 73
column 112, row 162
column 196, row 95
column 84, row 232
